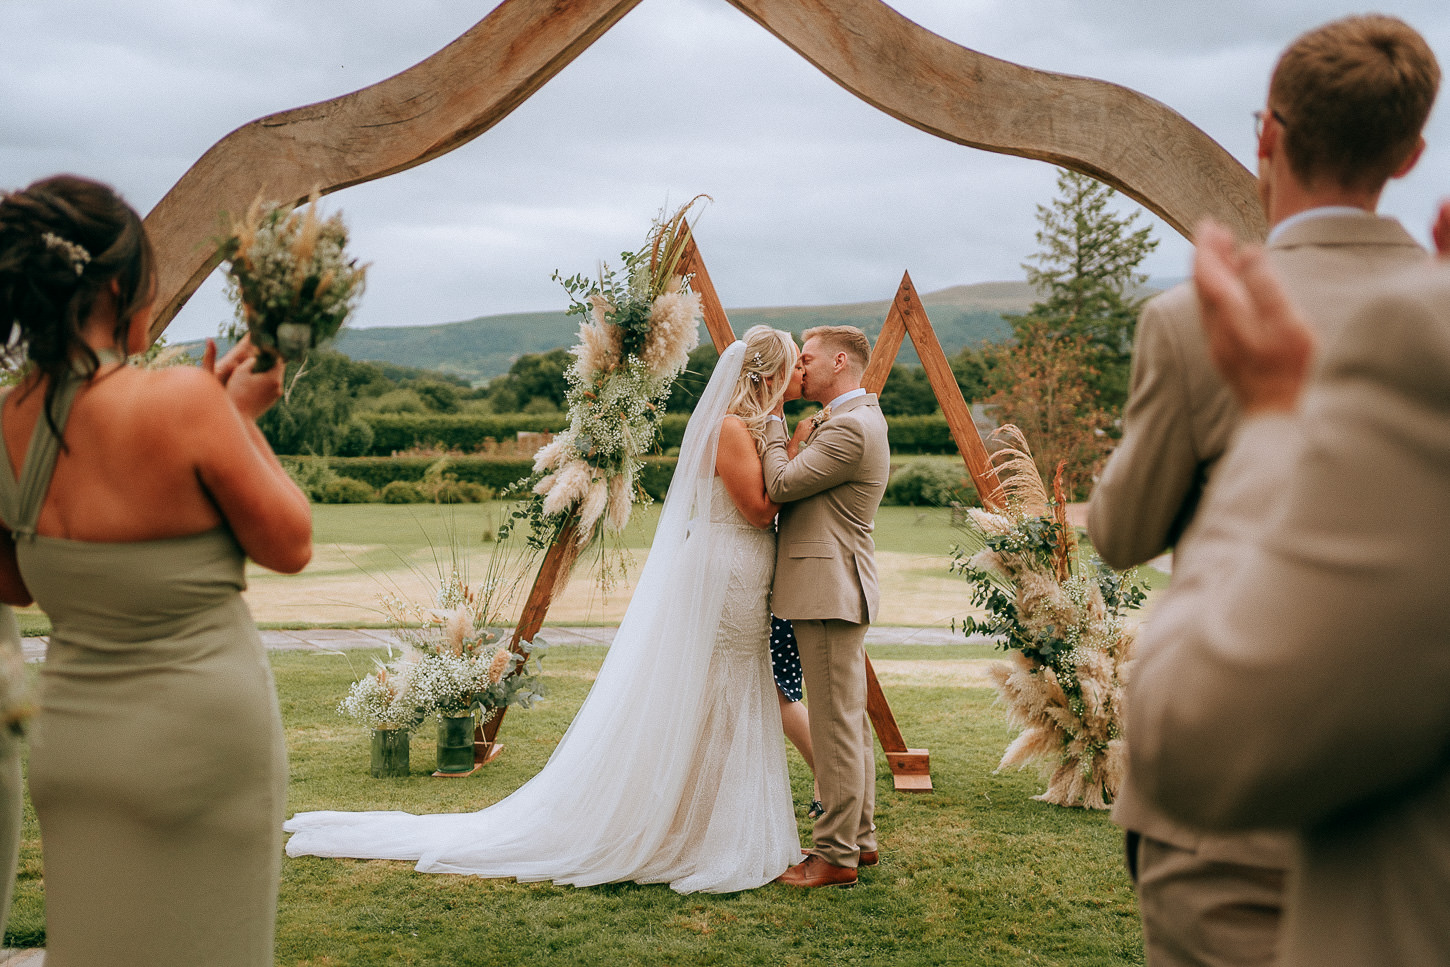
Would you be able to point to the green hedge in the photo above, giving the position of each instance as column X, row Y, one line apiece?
column 453, row 431
column 908, row 434
column 467, row 431
column 497, row 473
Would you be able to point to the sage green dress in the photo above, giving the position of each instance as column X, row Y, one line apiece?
column 157, row 766
column 12, row 792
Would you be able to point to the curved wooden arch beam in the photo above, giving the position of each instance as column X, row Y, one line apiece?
column 1133, row 143
column 412, row 117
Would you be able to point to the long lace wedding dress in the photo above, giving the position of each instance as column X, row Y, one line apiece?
column 673, row 771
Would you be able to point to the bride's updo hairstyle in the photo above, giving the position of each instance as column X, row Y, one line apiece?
column 770, row 355
column 63, row 241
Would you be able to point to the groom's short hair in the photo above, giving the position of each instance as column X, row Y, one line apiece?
column 843, row 339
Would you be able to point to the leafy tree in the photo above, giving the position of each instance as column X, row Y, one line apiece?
column 437, row 396
column 532, row 376
column 972, row 369
column 1044, row 385
column 908, row 392
column 1086, row 273
column 317, row 416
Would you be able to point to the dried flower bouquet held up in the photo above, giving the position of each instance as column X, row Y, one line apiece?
column 1060, row 617
column 289, row 277
column 640, row 323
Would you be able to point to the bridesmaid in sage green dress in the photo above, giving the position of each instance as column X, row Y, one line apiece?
column 130, row 500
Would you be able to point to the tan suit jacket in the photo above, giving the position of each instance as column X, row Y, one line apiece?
column 825, row 565
column 1296, row 673
column 1179, row 420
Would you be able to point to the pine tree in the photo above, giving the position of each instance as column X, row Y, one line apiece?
column 1086, row 273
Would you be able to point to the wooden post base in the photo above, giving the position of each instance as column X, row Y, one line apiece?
column 910, row 770
column 457, row 775
column 485, row 752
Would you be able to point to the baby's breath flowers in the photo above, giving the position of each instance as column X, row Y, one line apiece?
column 455, row 658
column 381, row 700
column 289, row 277
column 640, row 324
column 1060, row 618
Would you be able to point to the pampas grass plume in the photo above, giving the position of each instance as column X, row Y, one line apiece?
column 620, row 500
column 571, row 485
column 502, row 659
column 550, row 453
column 591, row 509
column 674, row 330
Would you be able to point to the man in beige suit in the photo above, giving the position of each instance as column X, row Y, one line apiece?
column 1295, row 674
column 1346, row 106
column 825, row 583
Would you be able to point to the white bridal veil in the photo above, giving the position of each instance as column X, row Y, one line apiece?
column 603, row 804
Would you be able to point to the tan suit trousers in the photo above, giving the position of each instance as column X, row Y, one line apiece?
column 833, row 663
column 1202, row 913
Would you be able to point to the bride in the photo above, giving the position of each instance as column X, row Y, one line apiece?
column 674, row 770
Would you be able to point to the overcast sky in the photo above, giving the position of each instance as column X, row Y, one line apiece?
column 818, row 196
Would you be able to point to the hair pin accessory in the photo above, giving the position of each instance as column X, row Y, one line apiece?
column 75, row 253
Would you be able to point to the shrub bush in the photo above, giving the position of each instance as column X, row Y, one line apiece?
column 454, row 491
column 924, row 484
column 345, row 490
column 403, row 492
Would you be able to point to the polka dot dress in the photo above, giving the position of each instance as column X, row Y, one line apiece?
column 785, row 658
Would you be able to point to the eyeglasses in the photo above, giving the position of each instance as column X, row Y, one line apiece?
column 1259, row 117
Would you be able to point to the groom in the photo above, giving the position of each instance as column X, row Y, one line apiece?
column 825, row 583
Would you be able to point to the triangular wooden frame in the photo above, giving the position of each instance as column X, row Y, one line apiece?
column 910, row 768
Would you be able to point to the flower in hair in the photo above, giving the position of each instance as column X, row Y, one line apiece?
column 75, row 254
column 754, row 377
column 757, row 360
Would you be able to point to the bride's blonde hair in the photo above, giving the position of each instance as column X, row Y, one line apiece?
column 770, row 355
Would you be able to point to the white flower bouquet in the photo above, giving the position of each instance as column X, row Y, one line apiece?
column 1060, row 617
column 454, row 657
column 382, row 700
column 290, row 279
column 640, row 324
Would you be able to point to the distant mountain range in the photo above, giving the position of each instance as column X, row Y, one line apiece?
column 482, row 348
column 479, row 349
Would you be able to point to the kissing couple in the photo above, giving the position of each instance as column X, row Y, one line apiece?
column 673, row 771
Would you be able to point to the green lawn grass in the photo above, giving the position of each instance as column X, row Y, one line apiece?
column 974, row 873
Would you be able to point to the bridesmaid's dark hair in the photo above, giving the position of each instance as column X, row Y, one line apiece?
column 63, row 241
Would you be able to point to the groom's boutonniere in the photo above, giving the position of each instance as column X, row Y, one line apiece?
column 816, row 420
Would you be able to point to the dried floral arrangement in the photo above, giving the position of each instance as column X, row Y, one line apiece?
column 1059, row 614
column 289, row 277
column 455, row 655
column 640, row 323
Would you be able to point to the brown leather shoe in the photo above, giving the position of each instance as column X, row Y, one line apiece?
column 814, row 871
column 869, row 857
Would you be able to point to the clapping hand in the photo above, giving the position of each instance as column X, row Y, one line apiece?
column 1441, row 231
column 252, row 393
column 1257, row 339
